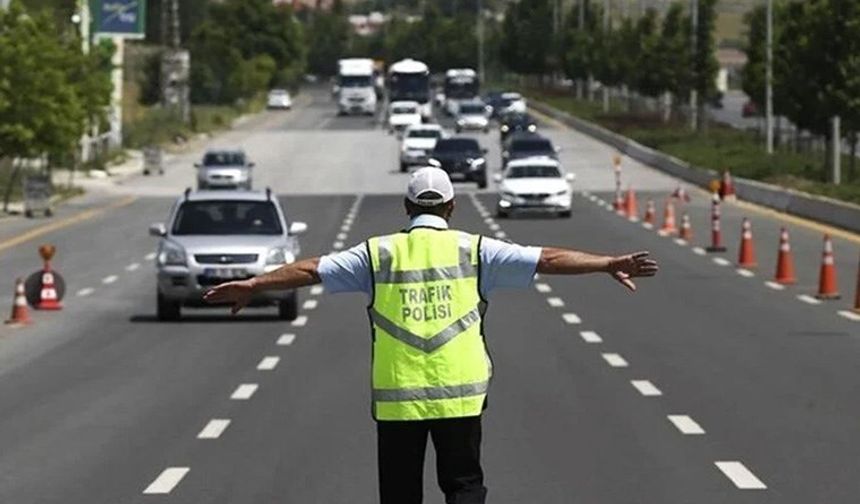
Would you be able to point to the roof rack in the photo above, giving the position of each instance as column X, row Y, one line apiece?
column 187, row 193
column 269, row 193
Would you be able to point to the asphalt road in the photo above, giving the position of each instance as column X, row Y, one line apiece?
column 100, row 403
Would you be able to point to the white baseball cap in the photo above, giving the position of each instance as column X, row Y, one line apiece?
column 429, row 186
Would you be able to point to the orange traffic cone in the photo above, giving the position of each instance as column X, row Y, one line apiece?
column 650, row 213
column 727, row 187
column 20, row 314
column 746, row 256
column 619, row 204
column 686, row 228
column 857, row 295
column 716, row 230
column 785, row 261
column 48, row 299
column 827, row 288
column 669, row 227
column 631, row 207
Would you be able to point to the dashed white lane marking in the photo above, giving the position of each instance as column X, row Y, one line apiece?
column 614, row 360
column 542, row 287
column 494, row 227
column 268, row 363
column 166, row 481
column 680, row 241
column 742, row 477
column 721, row 261
column 699, row 251
column 132, row 266
column 850, row 315
column 286, row 339
column 345, row 228
column 244, row 391
column 150, row 256
column 647, row 225
column 109, row 279
column 686, row 425
column 310, row 304
column 745, row 272
column 571, row 318
column 85, row 292
column 590, row 337
column 806, row 298
column 341, row 236
column 337, row 245
column 214, row 428
column 300, row 321
column 609, row 208
column 316, row 290
column 646, row 388
column 775, row 286
column 555, row 302
column 501, row 235
column 488, row 220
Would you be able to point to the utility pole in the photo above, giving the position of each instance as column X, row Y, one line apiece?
column 481, row 41
column 836, row 152
column 175, row 62
column 769, row 78
column 581, row 27
column 694, row 95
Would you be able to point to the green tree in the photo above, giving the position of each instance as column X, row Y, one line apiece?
column 705, row 65
column 327, row 39
column 528, row 46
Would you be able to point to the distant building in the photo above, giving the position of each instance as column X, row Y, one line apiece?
column 731, row 62
column 369, row 24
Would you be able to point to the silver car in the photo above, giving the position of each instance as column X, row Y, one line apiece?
column 213, row 237
column 224, row 169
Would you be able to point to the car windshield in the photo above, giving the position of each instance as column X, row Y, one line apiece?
column 227, row 218
column 533, row 172
column 534, row 145
column 224, row 159
column 471, row 108
column 404, row 109
column 354, row 81
column 457, row 145
column 424, row 133
column 518, row 120
column 278, row 92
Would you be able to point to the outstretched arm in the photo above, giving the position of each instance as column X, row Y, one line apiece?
column 288, row 276
column 556, row 261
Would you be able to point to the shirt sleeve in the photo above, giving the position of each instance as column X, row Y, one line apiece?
column 506, row 265
column 347, row 271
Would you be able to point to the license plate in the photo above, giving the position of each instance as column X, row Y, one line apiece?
column 225, row 273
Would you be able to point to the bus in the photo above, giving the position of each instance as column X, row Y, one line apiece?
column 409, row 80
column 461, row 84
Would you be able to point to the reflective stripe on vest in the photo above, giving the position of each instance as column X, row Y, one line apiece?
column 385, row 274
column 426, row 344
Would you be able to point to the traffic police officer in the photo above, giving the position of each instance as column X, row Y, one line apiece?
column 428, row 287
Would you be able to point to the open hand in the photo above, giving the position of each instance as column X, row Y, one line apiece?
column 238, row 294
column 624, row 268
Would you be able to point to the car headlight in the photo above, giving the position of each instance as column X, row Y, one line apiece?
column 279, row 255
column 172, row 254
column 505, row 128
column 476, row 163
column 532, row 128
column 461, row 122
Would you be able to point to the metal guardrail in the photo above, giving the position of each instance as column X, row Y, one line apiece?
column 818, row 208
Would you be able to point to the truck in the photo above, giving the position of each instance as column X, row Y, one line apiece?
column 356, row 93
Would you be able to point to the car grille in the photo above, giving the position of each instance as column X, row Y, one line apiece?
column 225, row 258
column 455, row 166
column 356, row 99
column 534, row 196
column 208, row 281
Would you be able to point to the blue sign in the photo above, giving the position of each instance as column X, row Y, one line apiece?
column 125, row 18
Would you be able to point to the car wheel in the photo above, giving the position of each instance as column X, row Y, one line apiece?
column 459, row 129
column 501, row 214
column 482, row 182
column 167, row 310
column 288, row 309
column 565, row 214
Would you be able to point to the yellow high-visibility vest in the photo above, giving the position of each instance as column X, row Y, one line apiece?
column 429, row 356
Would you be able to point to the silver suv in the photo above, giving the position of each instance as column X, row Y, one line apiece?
column 213, row 237
column 224, row 169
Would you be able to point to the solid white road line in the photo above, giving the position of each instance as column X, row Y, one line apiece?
column 647, row 225
column 745, row 272
column 85, row 292
column 721, row 261
column 686, row 425
column 166, row 481
column 268, row 363
column 310, row 304
column 555, row 302
column 646, row 388
column 571, row 318
column 109, row 279
column 850, row 315
column 150, row 256
column 775, row 285
column 699, row 251
column 316, row 290
column 806, row 298
column 286, row 339
column 214, row 428
column 300, row 321
column 132, row 266
column 501, row 235
column 742, row 477
column 614, row 360
column 590, row 337
column 244, row 391
column 542, row 287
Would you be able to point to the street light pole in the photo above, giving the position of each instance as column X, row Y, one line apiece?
column 694, row 95
column 481, row 40
column 769, row 78
column 604, row 89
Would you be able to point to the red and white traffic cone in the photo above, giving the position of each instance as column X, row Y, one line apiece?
column 686, row 233
column 48, row 299
column 785, row 261
column 20, row 313
column 716, row 231
column 631, row 207
column 650, row 214
column 681, row 194
column 669, row 226
column 746, row 255
column 827, row 288
column 619, row 203
column 727, row 187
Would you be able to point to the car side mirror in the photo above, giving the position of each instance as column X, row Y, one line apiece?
column 197, row 165
column 570, row 177
column 158, row 230
column 497, row 178
column 251, row 165
column 297, row 228
column 557, row 150
column 484, row 150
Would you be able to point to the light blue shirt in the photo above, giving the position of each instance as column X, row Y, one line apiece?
column 503, row 264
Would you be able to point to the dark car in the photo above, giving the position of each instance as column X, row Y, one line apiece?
column 516, row 122
column 463, row 159
column 494, row 100
column 523, row 145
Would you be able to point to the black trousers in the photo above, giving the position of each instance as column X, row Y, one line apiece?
column 401, row 448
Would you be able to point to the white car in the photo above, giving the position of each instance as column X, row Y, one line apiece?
column 402, row 114
column 418, row 141
column 535, row 184
column 513, row 102
column 473, row 115
column 279, row 99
